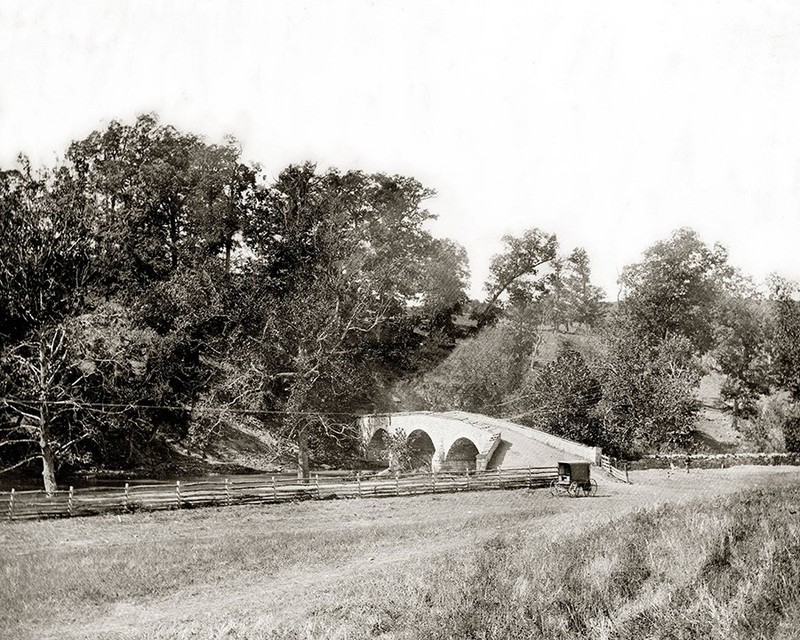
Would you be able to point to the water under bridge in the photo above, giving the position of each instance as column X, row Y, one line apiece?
column 458, row 440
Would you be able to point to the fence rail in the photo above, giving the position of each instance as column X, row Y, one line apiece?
column 619, row 473
column 26, row 505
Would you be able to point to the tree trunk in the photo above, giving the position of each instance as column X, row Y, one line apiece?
column 303, row 472
column 48, row 470
column 295, row 407
column 48, row 462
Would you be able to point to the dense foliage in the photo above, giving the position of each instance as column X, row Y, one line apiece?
column 154, row 287
column 561, row 397
column 627, row 380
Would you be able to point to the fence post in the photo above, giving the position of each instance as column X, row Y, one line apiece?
column 316, row 482
column 358, row 479
column 11, row 506
column 530, row 478
column 397, row 483
column 178, row 492
column 687, row 464
column 433, row 481
column 627, row 481
column 499, row 478
column 69, row 501
column 274, row 490
column 468, row 484
column 127, row 497
column 227, row 492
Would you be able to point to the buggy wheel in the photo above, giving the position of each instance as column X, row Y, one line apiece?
column 575, row 490
column 555, row 489
column 592, row 488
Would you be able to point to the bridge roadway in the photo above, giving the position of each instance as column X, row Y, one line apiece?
column 460, row 440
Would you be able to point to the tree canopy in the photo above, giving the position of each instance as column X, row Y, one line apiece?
column 674, row 290
column 156, row 288
column 158, row 281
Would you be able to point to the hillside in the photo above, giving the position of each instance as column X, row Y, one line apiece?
column 247, row 446
column 480, row 369
column 715, row 427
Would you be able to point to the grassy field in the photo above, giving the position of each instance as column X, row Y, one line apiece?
column 713, row 554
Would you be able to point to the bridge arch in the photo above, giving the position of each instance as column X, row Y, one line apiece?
column 462, row 455
column 421, row 450
column 430, row 438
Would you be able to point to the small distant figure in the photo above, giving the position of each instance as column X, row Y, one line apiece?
column 671, row 469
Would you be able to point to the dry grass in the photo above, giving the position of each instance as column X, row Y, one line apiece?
column 719, row 571
column 701, row 559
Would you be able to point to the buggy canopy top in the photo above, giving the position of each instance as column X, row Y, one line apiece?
column 577, row 470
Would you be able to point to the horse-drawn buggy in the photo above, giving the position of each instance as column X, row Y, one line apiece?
column 574, row 480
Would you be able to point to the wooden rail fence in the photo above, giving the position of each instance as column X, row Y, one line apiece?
column 22, row 505
column 609, row 465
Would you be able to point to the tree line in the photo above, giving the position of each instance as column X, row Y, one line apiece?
column 628, row 378
column 156, row 289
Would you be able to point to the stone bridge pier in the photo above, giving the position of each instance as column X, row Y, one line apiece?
column 435, row 442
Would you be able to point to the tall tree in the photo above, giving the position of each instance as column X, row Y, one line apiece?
column 570, row 297
column 649, row 392
column 516, row 270
column 443, row 279
column 45, row 254
column 223, row 195
column 37, row 399
column 584, row 299
column 73, row 391
column 785, row 335
column 159, row 200
column 44, row 268
column 784, row 351
column 135, row 182
column 741, row 351
column 338, row 257
column 675, row 289
column 561, row 398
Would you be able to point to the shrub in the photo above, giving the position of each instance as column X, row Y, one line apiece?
column 791, row 434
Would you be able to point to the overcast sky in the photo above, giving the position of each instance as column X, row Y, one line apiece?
column 608, row 123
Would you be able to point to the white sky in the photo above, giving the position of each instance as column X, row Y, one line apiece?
column 608, row 123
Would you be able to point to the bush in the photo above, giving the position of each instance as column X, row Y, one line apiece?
column 791, row 434
column 765, row 430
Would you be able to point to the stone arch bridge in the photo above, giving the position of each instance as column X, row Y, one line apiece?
column 459, row 441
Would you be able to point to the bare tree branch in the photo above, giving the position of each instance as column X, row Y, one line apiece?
column 7, row 443
column 20, row 463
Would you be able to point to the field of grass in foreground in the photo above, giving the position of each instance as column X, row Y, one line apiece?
column 726, row 570
column 713, row 554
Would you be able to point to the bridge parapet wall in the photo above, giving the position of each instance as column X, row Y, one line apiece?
column 486, row 433
column 568, row 446
column 562, row 444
